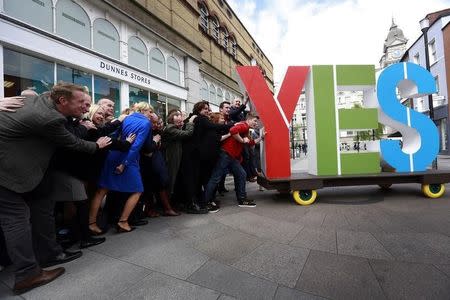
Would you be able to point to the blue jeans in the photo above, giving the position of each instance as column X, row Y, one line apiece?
column 225, row 163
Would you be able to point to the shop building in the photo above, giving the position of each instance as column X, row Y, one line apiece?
column 118, row 49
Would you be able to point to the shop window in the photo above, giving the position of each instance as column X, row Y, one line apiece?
column 173, row 104
column 158, row 102
column 37, row 13
column 106, row 38
column 173, row 70
column 227, row 96
column 212, row 94
column 157, row 63
column 137, row 95
column 204, row 91
column 68, row 74
column 137, row 53
column 106, row 88
column 23, row 72
column 219, row 95
column 73, row 23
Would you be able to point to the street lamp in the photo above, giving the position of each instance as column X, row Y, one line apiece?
column 424, row 26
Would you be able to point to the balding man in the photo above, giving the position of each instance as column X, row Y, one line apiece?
column 237, row 110
column 108, row 106
column 29, row 92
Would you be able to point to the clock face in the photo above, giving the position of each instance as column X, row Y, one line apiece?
column 397, row 53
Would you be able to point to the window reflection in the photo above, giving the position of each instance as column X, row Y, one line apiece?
column 106, row 88
column 23, row 72
column 137, row 95
column 75, row 76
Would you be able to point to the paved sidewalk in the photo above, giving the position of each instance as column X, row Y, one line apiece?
column 353, row 243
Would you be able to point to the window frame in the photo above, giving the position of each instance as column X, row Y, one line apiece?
column 204, row 17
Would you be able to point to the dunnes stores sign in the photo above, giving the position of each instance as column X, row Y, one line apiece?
column 124, row 72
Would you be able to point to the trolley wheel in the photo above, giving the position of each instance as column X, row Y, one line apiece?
column 385, row 186
column 305, row 197
column 433, row 190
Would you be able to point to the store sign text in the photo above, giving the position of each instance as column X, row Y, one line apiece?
column 124, row 72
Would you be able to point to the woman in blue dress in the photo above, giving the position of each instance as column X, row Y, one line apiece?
column 121, row 172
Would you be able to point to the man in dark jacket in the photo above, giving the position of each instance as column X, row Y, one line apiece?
column 28, row 138
column 237, row 110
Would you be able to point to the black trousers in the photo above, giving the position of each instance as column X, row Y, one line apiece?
column 28, row 225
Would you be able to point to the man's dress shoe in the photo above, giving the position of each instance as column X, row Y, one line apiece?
column 42, row 278
column 62, row 258
column 91, row 242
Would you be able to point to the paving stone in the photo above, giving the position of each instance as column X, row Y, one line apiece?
column 189, row 220
column 361, row 244
column 312, row 219
column 339, row 277
column 160, row 286
column 6, row 293
column 436, row 241
column 121, row 245
column 285, row 293
column 172, row 257
column 262, row 227
column 359, row 221
column 204, row 232
column 154, row 251
column 229, row 247
column 323, row 239
column 230, row 281
column 277, row 262
column 85, row 275
column 226, row 297
column 409, row 247
column 401, row 280
column 444, row 268
column 336, row 221
column 387, row 222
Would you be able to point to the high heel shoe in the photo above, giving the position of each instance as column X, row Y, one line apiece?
column 93, row 232
column 120, row 229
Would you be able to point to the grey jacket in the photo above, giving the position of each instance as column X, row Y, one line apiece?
column 28, row 139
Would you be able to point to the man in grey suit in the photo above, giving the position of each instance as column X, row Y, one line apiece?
column 28, row 138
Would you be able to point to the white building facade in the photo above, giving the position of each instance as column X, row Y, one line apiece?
column 437, row 59
column 95, row 45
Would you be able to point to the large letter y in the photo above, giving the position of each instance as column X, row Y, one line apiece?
column 275, row 114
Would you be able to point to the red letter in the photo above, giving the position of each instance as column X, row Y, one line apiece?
column 275, row 115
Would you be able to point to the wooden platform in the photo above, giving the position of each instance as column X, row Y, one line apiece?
column 305, row 181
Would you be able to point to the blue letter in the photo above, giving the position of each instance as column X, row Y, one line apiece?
column 420, row 135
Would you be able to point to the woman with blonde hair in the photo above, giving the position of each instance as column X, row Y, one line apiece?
column 121, row 170
column 96, row 115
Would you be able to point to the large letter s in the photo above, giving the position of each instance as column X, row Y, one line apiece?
column 420, row 135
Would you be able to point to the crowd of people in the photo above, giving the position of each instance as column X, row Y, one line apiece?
column 69, row 169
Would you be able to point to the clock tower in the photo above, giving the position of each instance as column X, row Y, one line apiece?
column 394, row 46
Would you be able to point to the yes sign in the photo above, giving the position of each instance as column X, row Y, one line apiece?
column 325, row 120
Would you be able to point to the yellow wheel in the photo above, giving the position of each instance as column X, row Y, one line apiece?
column 385, row 186
column 433, row 190
column 305, row 197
